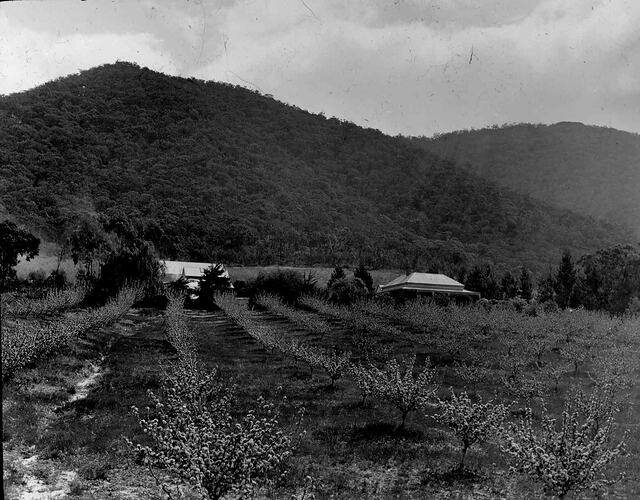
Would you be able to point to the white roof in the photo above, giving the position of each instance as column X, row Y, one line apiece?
column 425, row 279
column 427, row 282
column 176, row 268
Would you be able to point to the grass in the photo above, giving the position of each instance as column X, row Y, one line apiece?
column 349, row 450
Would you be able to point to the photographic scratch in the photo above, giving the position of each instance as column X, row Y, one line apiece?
column 309, row 9
column 245, row 81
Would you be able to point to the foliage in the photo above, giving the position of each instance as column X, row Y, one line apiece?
column 304, row 320
column 337, row 274
column 195, row 436
column 139, row 264
column 25, row 342
column 570, row 454
column 212, row 282
column 306, row 190
column 565, row 282
column 345, row 291
column 54, row 300
column 289, row 285
column 508, row 286
column 611, row 278
column 484, row 281
column 397, row 384
column 361, row 273
column 14, row 242
column 471, row 422
column 525, row 289
column 559, row 164
column 194, row 429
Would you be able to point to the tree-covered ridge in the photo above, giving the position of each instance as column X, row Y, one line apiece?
column 213, row 171
column 591, row 170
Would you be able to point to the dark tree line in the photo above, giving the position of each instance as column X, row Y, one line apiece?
column 608, row 279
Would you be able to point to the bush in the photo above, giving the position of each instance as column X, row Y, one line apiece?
column 120, row 268
column 347, row 291
column 571, row 455
column 402, row 388
column 289, row 285
column 471, row 422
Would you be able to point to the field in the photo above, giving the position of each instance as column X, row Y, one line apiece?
column 65, row 418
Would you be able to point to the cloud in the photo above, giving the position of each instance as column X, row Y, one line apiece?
column 29, row 58
column 404, row 66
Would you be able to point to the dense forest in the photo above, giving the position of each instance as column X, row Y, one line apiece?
column 210, row 171
column 590, row 170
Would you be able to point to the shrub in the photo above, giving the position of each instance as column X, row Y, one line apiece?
column 397, row 384
column 365, row 380
column 196, row 436
column 570, row 455
column 289, row 285
column 25, row 342
column 347, row 291
column 471, row 422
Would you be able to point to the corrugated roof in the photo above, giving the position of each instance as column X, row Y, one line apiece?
column 425, row 279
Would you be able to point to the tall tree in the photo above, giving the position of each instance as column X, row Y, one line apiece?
column 525, row 289
column 509, row 286
column 14, row 242
column 546, row 288
column 610, row 278
column 565, row 281
column 214, row 280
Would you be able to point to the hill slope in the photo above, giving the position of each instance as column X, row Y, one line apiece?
column 213, row 171
column 591, row 170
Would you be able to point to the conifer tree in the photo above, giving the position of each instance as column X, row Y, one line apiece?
column 337, row 274
column 526, row 287
column 565, row 281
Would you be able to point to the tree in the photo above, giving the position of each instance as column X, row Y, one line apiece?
column 362, row 273
column 565, row 281
column 525, row 290
column 546, row 288
column 214, row 280
column 346, row 291
column 13, row 243
column 397, row 384
column 337, row 274
column 570, row 454
column 471, row 422
column 610, row 278
column 483, row 281
column 509, row 286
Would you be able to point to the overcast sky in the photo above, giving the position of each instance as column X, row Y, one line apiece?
column 400, row 66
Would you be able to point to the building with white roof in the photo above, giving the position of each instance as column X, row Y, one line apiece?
column 426, row 284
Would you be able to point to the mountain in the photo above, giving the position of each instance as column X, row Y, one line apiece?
column 590, row 170
column 213, row 171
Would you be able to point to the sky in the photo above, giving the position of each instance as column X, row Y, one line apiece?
column 401, row 66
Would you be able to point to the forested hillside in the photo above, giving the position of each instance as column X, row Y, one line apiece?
column 214, row 171
column 591, row 170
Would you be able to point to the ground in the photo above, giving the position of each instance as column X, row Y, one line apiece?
column 64, row 422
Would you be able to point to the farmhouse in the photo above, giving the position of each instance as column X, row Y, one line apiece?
column 191, row 271
column 414, row 284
